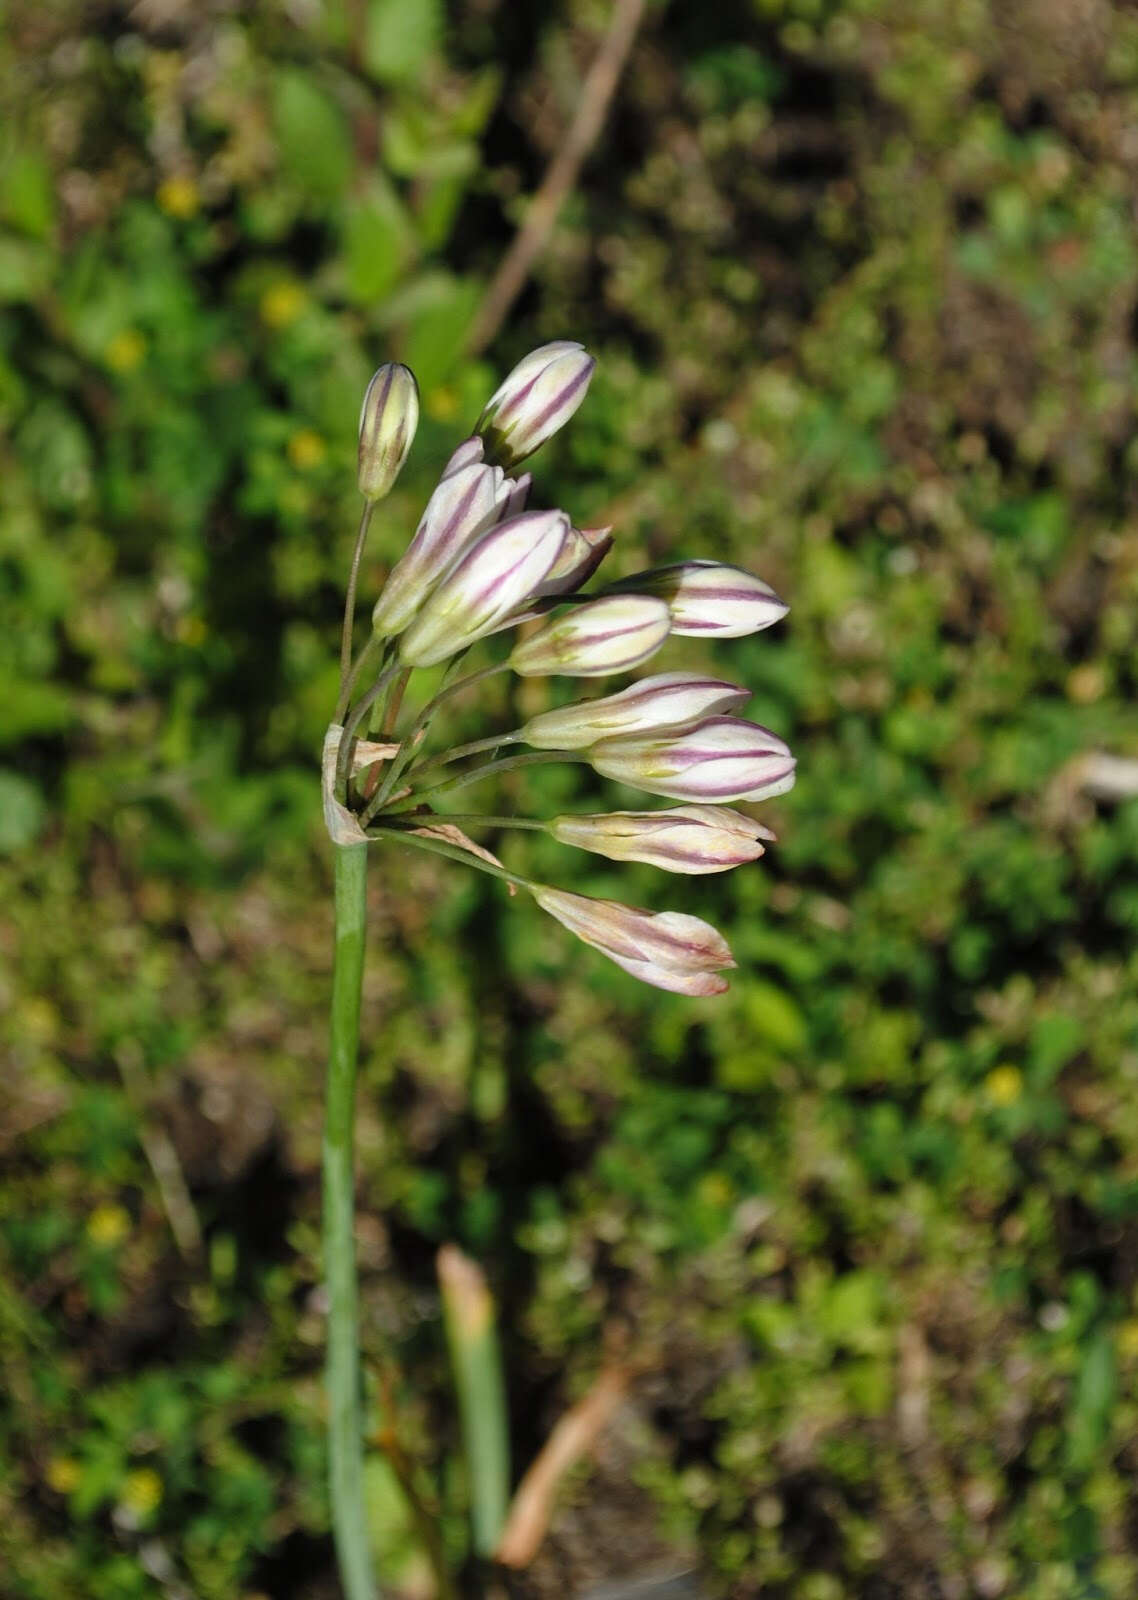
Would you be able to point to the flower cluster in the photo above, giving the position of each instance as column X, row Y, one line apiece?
column 480, row 562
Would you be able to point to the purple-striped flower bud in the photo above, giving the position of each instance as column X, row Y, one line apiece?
column 720, row 759
column 595, row 640
column 468, row 500
column 388, row 419
column 691, row 839
column 667, row 948
column 538, row 397
column 666, row 702
column 581, row 555
column 708, row 597
column 484, row 586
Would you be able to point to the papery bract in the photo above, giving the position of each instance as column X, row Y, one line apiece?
column 666, row 701
column 721, row 758
column 668, row 949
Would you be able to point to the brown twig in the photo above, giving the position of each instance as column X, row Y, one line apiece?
column 575, row 1434
column 561, row 175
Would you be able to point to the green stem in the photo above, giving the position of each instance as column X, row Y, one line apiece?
column 453, row 852
column 414, row 734
column 508, row 764
column 471, row 818
column 350, row 600
column 348, row 738
column 476, row 747
column 366, row 658
column 345, row 1421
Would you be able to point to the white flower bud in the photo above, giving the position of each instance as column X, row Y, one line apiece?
column 581, row 555
column 706, row 597
column 689, row 839
column 537, row 398
column 667, row 948
column 484, row 586
column 668, row 701
column 469, row 499
column 720, row 759
column 388, row 419
column 595, row 640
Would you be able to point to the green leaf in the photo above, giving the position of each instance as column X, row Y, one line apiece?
column 27, row 200
column 399, row 37
column 22, row 812
column 24, row 269
column 315, row 142
column 379, row 241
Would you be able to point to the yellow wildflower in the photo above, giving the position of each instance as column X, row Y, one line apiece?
column 179, row 197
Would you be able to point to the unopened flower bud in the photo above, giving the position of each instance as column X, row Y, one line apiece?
column 720, row 759
column 668, row 701
column 388, row 419
column 484, row 586
column 689, row 839
column 581, row 554
column 538, row 397
column 468, row 500
column 708, row 597
column 668, row 948
column 595, row 640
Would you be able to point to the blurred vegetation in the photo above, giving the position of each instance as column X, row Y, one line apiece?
column 863, row 279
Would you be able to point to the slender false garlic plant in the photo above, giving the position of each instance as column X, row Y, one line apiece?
column 481, row 563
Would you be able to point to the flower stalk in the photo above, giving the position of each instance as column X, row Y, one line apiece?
column 345, row 1419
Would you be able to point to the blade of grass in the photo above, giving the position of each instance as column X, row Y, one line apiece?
column 472, row 1335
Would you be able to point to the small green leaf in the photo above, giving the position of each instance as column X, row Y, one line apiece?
column 400, row 36
column 22, row 812
column 315, row 143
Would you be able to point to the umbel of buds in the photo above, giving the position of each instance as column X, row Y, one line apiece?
column 481, row 563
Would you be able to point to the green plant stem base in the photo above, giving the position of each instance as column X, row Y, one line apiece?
column 345, row 1421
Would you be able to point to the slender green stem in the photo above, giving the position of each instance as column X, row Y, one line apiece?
column 366, row 658
column 467, row 819
column 490, row 768
column 348, row 737
column 350, row 600
column 453, row 852
column 418, row 728
column 345, row 1421
column 476, row 747
column 392, row 702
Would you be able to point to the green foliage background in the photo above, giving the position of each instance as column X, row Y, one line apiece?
column 862, row 277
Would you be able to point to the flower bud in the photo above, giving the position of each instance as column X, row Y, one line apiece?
column 581, row 555
column 597, row 639
column 519, row 495
column 388, row 419
column 469, row 499
column 690, row 839
column 722, row 758
column 667, row 948
column 488, row 582
column 708, row 597
column 667, row 701
column 538, row 397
